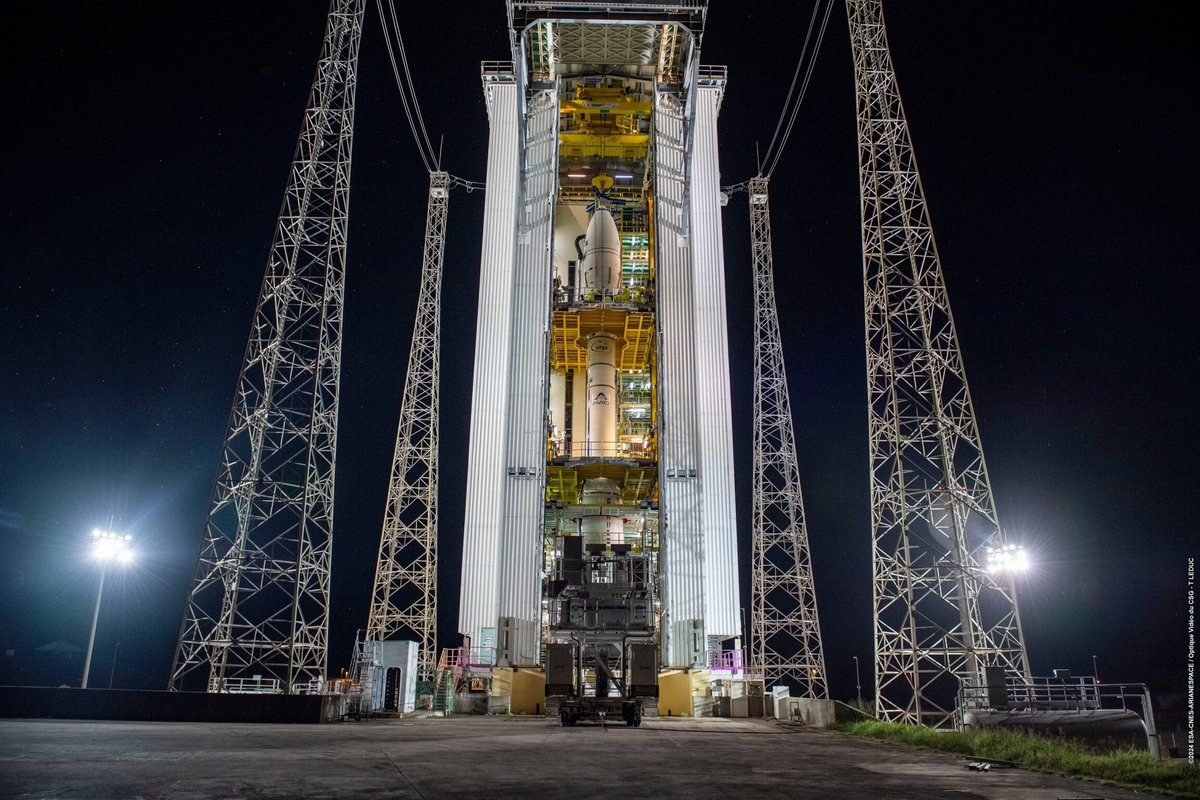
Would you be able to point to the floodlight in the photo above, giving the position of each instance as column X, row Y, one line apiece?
column 1009, row 558
column 108, row 546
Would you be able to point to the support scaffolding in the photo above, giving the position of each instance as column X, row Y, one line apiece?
column 259, row 603
column 404, row 601
column 785, row 633
column 940, row 617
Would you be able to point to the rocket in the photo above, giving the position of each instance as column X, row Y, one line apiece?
column 602, row 253
column 601, row 276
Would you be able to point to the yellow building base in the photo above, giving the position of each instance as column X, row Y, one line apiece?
column 679, row 691
column 525, row 688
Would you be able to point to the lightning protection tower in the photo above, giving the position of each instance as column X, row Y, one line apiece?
column 940, row 617
column 259, row 603
column 404, row 601
column 785, row 633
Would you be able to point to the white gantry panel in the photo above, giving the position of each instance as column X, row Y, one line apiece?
column 487, row 459
column 521, row 541
column 713, row 418
column 682, row 528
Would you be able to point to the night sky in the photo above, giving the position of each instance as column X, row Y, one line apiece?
column 147, row 147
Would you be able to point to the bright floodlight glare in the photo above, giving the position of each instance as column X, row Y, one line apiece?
column 108, row 546
column 1007, row 558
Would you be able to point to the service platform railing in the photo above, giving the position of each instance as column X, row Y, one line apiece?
column 497, row 72
column 731, row 661
column 257, row 684
column 1060, row 693
column 634, row 450
column 457, row 659
column 253, row 685
column 635, row 297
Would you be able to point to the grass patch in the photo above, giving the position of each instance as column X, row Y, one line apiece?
column 1132, row 769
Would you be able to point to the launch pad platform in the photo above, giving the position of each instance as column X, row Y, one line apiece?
column 495, row 757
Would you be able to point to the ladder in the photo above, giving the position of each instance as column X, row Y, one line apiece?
column 446, row 679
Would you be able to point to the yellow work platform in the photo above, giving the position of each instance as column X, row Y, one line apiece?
column 637, row 483
column 625, row 146
column 568, row 340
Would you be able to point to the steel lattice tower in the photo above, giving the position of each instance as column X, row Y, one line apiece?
column 939, row 615
column 260, row 600
column 405, row 596
column 785, row 633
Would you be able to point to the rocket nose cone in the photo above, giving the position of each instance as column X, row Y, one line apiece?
column 602, row 252
column 601, row 228
column 599, row 214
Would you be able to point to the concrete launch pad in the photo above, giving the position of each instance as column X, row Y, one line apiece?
column 488, row 757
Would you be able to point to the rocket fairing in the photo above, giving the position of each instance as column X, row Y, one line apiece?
column 602, row 253
column 601, row 274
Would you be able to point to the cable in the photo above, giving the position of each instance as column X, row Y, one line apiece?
column 430, row 163
column 795, row 75
column 790, row 109
column 470, row 186
column 412, row 88
column 803, row 88
column 408, row 98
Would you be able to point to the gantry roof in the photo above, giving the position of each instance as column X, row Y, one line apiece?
column 522, row 13
column 646, row 40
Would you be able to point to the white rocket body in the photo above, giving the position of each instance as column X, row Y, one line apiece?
column 596, row 527
column 602, row 253
column 602, row 274
column 602, row 395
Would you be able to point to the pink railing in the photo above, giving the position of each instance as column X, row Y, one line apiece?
column 727, row 661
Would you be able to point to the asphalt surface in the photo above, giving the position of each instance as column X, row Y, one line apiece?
column 479, row 757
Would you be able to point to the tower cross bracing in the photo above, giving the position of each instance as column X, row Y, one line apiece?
column 404, row 600
column 258, row 609
column 785, row 633
column 940, row 617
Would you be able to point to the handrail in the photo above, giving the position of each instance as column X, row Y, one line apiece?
column 1059, row 694
column 636, row 450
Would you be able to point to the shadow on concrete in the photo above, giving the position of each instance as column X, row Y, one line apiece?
column 44, row 702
